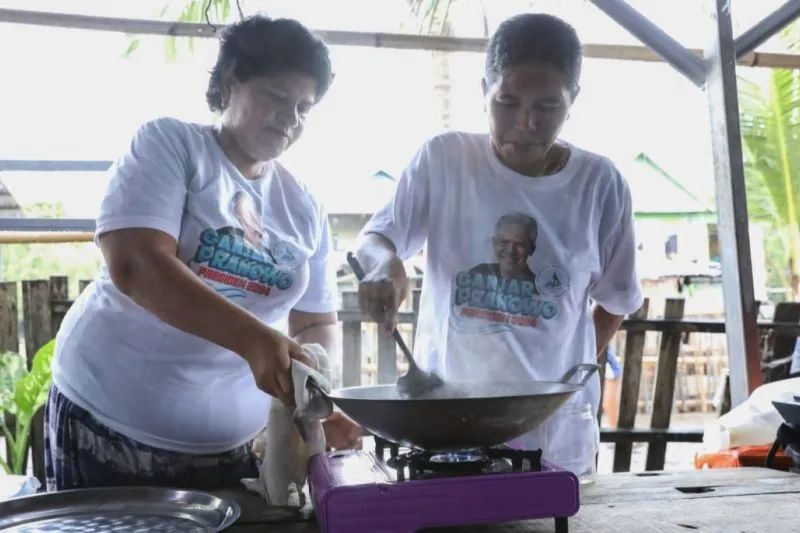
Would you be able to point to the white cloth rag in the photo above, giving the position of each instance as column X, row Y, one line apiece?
column 294, row 434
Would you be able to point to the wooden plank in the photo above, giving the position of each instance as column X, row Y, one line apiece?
column 36, row 314
column 9, row 334
column 355, row 315
column 628, row 436
column 741, row 499
column 416, row 295
column 38, row 321
column 665, row 384
column 351, row 344
column 629, row 487
column 59, row 294
column 629, row 395
column 387, row 357
column 44, row 237
column 364, row 39
column 777, row 356
column 9, row 320
column 703, row 326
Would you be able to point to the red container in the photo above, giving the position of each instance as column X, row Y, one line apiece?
column 744, row 456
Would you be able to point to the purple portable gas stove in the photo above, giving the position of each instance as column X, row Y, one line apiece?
column 365, row 492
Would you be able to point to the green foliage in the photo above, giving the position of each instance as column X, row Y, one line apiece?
column 432, row 16
column 219, row 12
column 770, row 123
column 22, row 394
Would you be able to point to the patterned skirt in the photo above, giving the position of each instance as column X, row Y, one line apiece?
column 81, row 452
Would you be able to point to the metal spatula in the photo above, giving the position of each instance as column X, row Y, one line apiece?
column 415, row 381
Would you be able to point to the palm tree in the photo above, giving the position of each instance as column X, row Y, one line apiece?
column 433, row 17
column 770, row 122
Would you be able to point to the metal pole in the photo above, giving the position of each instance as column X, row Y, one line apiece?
column 772, row 24
column 651, row 35
column 737, row 273
column 47, row 224
column 34, row 165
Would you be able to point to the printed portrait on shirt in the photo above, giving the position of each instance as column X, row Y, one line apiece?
column 504, row 292
column 243, row 209
column 237, row 260
column 513, row 244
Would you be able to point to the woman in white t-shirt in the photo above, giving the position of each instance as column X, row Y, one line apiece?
column 521, row 229
column 165, row 365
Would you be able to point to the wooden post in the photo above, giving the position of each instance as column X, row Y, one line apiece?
column 351, row 343
column 9, row 321
column 629, row 395
column 665, row 384
column 9, row 334
column 59, row 301
column 387, row 357
column 37, row 316
column 416, row 294
column 82, row 284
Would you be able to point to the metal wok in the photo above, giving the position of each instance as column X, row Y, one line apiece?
column 458, row 415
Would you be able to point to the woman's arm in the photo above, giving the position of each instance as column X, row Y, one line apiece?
column 143, row 264
column 605, row 326
column 320, row 328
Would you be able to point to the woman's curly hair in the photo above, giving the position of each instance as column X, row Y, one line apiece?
column 261, row 46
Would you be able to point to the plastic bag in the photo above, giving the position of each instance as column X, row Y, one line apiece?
column 753, row 423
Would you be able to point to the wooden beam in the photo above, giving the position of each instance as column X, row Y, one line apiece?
column 399, row 41
column 655, row 38
column 51, row 237
column 628, row 436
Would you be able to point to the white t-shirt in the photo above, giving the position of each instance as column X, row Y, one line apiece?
column 264, row 244
column 490, row 309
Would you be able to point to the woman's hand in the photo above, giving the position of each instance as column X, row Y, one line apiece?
column 382, row 291
column 341, row 433
column 269, row 354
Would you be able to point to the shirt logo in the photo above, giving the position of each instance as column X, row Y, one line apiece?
column 286, row 255
column 552, row 281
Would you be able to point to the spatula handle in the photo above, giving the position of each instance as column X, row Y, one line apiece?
column 355, row 265
column 359, row 272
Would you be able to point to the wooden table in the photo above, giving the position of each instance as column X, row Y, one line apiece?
column 722, row 500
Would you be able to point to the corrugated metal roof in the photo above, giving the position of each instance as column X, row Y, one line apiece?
column 8, row 205
column 654, row 192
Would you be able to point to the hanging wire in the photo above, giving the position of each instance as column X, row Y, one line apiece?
column 208, row 20
column 239, row 8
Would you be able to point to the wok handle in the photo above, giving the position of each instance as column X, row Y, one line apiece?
column 311, row 384
column 590, row 369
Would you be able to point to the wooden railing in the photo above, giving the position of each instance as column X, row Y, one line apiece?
column 370, row 357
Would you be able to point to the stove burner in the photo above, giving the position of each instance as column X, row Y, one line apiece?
column 471, row 457
column 422, row 464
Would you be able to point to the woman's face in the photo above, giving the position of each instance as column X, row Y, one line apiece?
column 265, row 114
column 527, row 105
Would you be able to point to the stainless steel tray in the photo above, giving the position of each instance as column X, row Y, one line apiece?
column 128, row 509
